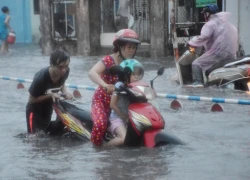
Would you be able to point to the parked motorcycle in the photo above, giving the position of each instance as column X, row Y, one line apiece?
column 235, row 75
column 145, row 126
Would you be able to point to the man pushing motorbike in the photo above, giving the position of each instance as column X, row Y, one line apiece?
column 220, row 40
column 41, row 94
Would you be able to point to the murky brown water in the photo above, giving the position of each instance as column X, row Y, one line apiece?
column 217, row 144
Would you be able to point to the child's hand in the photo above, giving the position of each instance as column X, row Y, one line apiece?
column 125, row 118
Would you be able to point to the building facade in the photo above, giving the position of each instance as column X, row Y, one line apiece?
column 87, row 27
column 240, row 10
column 20, row 19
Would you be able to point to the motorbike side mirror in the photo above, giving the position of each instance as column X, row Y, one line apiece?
column 160, row 71
column 152, row 83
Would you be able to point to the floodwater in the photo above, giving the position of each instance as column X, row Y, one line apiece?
column 217, row 144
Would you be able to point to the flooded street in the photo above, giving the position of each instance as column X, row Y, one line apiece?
column 217, row 144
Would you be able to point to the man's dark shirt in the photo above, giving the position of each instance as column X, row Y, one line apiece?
column 41, row 84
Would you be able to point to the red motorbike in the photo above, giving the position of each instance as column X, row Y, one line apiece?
column 145, row 126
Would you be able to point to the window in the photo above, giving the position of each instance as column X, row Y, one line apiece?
column 181, row 3
column 63, row 25
column 36, row 7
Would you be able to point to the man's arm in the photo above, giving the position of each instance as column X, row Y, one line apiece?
column 37, row 92
column 201, row 40
column 65, row 91
column 94, row 75
column 34, row 100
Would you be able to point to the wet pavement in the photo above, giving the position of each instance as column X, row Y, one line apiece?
column 217, row 144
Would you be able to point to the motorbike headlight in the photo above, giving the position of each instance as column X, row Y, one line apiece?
column 148, row 92
column 136, row 93
column 192, row 49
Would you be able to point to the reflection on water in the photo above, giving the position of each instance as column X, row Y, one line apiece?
column 139, row 163
column 217, row 144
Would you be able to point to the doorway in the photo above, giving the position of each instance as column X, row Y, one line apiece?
column 121, row 14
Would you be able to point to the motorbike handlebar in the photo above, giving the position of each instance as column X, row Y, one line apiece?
column 120, row 89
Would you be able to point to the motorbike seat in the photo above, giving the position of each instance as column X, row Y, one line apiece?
column 219, row 65
column 242, row 60
column 80, row 114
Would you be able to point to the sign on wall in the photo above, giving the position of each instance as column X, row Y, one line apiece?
column 202, row 3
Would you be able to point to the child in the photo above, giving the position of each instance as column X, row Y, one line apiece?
column 133, row 71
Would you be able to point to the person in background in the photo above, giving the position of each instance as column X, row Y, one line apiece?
column 122, row 15
column 220, row 40
column 124, row 47
column 4, row 26
column 133, row 71
column 43, row 91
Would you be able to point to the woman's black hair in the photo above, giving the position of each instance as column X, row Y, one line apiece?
column 118, row 45
column 127, row 73
column 58, row 56
column 5, row 9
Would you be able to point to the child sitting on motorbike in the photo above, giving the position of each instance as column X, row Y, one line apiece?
column 132, row 71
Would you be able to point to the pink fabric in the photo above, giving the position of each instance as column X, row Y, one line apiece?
column 220, row 40
column 114, row 123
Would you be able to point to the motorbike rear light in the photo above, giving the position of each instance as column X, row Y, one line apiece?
column 248, row 85
column 248, row 72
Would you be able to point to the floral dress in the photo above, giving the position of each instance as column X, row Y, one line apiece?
column 100, row 109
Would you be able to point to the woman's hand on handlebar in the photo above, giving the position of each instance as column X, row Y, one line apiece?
column 109, row 88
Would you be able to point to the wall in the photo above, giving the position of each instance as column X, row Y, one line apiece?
column 244, row 24
column 157, row 25
column 240, row 10
column 35, row 23
column 20, row 19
